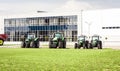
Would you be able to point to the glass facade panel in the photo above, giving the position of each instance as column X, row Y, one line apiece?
column 41, row 26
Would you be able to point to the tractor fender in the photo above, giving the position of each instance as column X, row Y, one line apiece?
column 3, row 36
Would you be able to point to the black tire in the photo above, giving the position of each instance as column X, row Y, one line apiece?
column 50, row 43
column 32, row 44
column 99, row 45
column 64, row 44
column 60, row 44
column 27, row 45
column 84, row 45
column 87, row 45
column 23, row 44
column 36, row 43
column 90, row 46
column 79, row 46
column 50, row 46
column 1, row 42
column 76, row 46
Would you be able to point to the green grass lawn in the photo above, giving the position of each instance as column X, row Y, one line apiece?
column 19, row 59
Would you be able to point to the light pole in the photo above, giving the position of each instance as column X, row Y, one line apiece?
column 81, row 22
column 89, row 24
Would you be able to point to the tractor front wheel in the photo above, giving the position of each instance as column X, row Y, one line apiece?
column 32, row 44
column 27, row 45
column 1, row 42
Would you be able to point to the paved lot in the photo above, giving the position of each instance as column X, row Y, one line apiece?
column 114, row 47
column 10, row 46
column 45, row 46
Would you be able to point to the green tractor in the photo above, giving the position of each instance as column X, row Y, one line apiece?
column 95, row 42
column 82, row 42
column 29, row 41
column 57, row 40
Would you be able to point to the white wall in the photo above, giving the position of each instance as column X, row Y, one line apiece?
column 111, row 18
column 103, row 18
column 93, row 18
column 1, row 25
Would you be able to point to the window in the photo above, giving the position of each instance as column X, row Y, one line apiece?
column 114, row 27
column 43, row 27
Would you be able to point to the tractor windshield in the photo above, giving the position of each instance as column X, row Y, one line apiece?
column 58, row 35
column 95, row 38
column 31, row 36
column 81, row 38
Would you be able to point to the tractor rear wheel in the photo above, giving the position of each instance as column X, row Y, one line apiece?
column 83, row 45
column 90, row 46
column 99, row 45
column 76, row 46
column 60, row 44
column 64, row 44
column 23, row 44
column 37, row 44
column 86, row 44
column 50, row 43
column 79, row 46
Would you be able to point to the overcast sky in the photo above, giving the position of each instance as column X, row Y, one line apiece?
column 30, row 6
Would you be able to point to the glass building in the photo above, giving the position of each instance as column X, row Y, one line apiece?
column 43, row 27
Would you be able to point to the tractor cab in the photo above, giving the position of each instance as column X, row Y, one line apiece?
column 30, row 36
column 58, row 35
column 96, row 38
column 96, row 42
column 82, row 38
